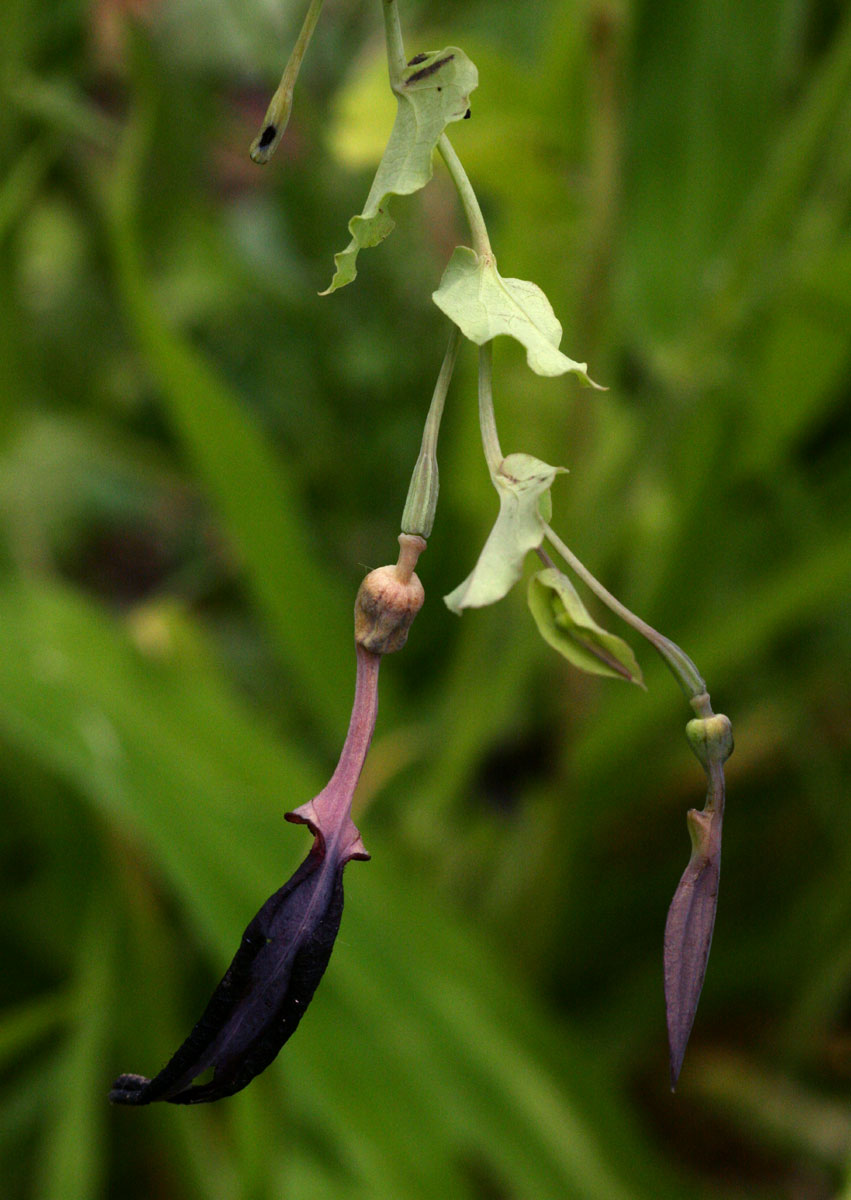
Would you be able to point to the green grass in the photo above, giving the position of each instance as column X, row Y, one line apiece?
column 199, row 459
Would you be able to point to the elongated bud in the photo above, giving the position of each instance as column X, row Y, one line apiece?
column 280, row 106
column 389, row 599
column 421, row 504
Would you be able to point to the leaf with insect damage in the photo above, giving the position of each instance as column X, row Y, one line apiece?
column 434, row 91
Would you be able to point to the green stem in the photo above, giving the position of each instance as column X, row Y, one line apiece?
column 487, row 418
column 280, row 106
column 420, row 506
column 683, row 669
column 481, row 242
column 396, row 60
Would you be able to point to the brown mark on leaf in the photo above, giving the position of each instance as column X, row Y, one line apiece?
column 431, row 69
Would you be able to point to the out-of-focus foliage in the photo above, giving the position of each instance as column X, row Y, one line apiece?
column 199, row 457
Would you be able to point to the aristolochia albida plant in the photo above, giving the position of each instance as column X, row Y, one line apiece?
column 286, row 947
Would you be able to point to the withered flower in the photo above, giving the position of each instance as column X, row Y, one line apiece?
column 284, row 951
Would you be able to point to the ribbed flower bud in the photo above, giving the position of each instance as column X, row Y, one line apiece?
column 711, row 738
column 389, row 599
column 421, row 504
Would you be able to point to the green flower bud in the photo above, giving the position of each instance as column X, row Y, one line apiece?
column 421, row 504
column 711, row 738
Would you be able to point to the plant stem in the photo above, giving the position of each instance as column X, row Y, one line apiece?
column 396, row 60
column 683, row 669
column 487, row 418
column 332, row 807
column 481, row 242
column 280, row 106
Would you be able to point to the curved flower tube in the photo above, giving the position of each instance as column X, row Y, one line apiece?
column 286, row 947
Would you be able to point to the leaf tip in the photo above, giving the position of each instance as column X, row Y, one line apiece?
column 586, row 380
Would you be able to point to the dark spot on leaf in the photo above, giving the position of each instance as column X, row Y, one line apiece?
column 418, row 58
column 267, row 137
column 431, row 69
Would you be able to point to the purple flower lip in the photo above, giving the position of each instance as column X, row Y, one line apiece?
column 285, row 949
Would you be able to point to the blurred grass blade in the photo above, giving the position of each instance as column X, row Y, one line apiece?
column 20, row 186
column 22, row 1027
column 308, row 618
column 72, row 1160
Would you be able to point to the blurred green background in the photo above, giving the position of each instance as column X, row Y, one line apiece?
column 200, row 457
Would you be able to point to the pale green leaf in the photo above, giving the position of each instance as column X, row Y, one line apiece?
column 566, row 624
column 434, row 91
column 522, row 482
column 483, row 305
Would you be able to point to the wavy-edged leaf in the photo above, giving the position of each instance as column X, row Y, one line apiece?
column 483, row 305
column 434, row 91
column 523, row 483
column 565, row 623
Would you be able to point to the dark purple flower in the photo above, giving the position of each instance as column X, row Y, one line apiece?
column 285, row 949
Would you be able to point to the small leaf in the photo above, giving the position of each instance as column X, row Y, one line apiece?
column 566, row 624
column 434, row 91
column 522, row 482
column 483, row 305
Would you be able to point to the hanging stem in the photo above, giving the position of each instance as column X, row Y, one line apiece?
column 683, row 669
column 330, row 811
column 487, row 418
column 396, row 60
column 478, row 229
column 280, row 106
